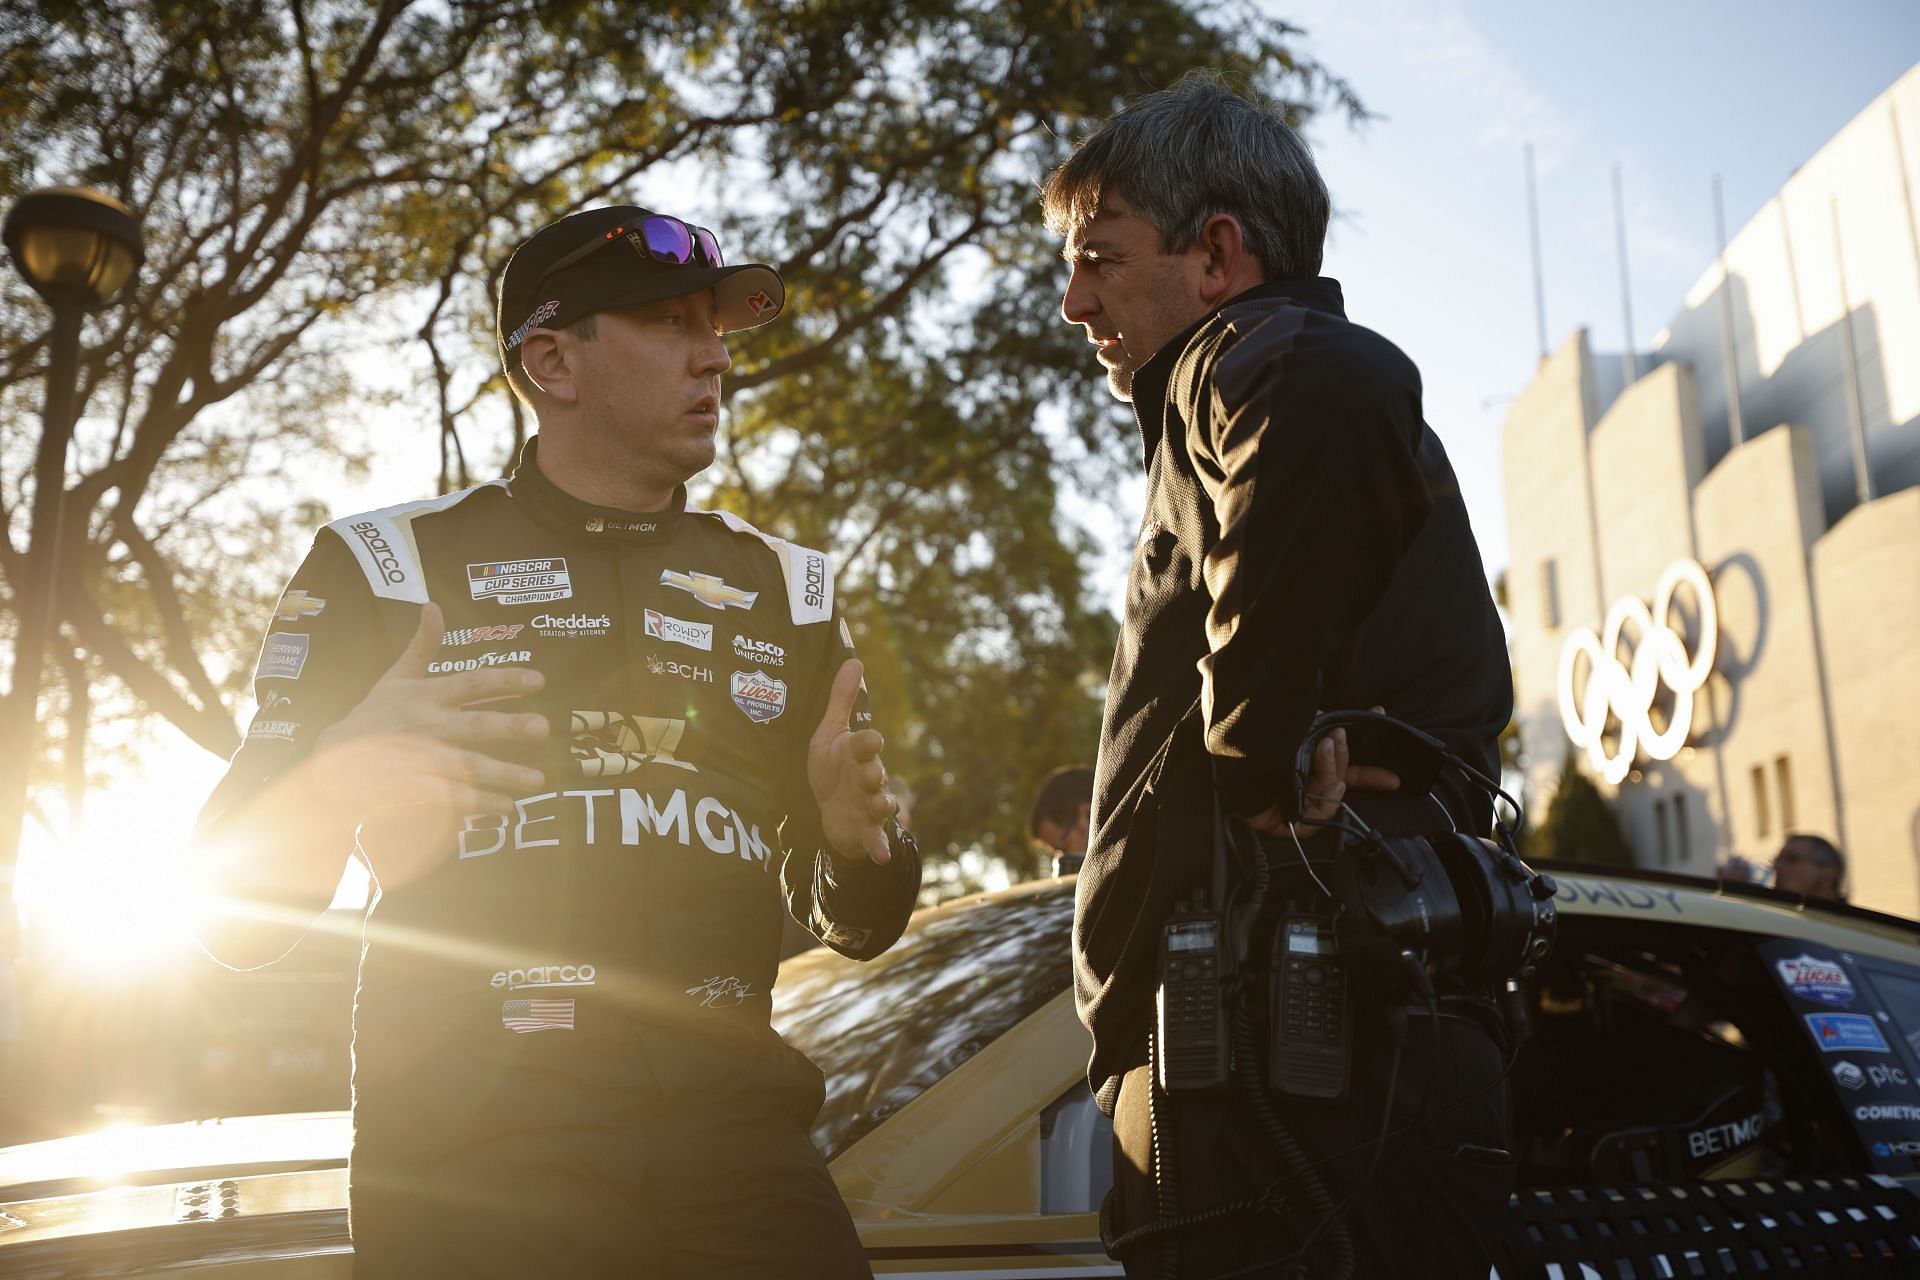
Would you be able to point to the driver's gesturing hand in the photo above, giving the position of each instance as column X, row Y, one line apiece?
column 418, row 754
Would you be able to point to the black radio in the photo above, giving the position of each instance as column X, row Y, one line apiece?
column 1312, row 1024
column 1193, row 1050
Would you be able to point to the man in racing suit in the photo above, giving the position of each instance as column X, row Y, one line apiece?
column 576, row 729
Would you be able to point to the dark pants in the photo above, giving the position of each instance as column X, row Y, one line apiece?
column 727, row 1186
column 1428, row 1211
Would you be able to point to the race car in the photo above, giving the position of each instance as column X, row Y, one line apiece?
column 1719, row 1080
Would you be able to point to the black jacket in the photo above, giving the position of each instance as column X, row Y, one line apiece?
column 632, row 906
column 1305, row 548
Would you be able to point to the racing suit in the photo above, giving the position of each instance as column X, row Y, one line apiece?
column 562, row 1056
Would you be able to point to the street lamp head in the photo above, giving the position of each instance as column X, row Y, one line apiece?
column 74, row 244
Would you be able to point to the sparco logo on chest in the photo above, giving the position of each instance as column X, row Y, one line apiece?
column 381, row 550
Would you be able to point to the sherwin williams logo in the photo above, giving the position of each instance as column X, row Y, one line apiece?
column 381, row 550
column 297, row 604
column 695, row 635
column 709, row 590
column 759, row 695
column 1821, row 981
column 520, row 581
column 283, row 657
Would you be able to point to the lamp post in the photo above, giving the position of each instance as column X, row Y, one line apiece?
column 78, row 248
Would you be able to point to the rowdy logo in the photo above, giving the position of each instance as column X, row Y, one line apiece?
column 695, row 635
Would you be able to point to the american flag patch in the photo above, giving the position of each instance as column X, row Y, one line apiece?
column 537, row 1015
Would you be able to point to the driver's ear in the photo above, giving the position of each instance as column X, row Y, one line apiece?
column 545, row 358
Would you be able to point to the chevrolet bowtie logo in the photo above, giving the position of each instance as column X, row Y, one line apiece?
column 297, row 604
column 709, row 590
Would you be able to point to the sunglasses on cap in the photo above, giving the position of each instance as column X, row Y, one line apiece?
column 661, row 237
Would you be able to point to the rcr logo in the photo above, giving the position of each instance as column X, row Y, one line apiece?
column 816, row 575
column 544, row 975
column 381, row 550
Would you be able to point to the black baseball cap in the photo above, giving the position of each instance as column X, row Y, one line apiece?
column 606, row 263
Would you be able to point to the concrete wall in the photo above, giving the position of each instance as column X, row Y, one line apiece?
column 1867, row 583
column 1759, row 517
column 1549, row 527
column 1799, row 286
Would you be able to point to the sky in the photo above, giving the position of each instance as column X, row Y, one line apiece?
column 1430, row 234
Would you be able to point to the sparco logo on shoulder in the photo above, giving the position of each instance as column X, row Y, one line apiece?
column 382, row 551
column 816, row 586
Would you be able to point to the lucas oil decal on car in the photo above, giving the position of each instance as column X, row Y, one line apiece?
column 1821, row 981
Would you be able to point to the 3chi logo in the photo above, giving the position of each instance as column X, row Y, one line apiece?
column 607, row 744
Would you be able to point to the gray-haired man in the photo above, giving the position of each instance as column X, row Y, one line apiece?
column 1304, row 547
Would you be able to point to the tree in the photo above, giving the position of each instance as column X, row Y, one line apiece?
column 1580, row 826
column 327, row 181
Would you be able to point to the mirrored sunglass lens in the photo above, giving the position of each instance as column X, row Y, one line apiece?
column 709, row 246
column 667, row 239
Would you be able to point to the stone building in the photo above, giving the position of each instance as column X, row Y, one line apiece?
column 1799, row 496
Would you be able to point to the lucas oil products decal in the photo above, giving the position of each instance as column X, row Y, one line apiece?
column 1821, row 981
column 759, row 695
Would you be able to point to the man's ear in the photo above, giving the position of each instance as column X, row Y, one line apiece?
column 1228, row 268
column 544, row 359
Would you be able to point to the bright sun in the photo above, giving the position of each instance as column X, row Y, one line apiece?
column 113, row 901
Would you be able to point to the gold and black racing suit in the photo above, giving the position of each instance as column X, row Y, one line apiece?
column 562, row 1057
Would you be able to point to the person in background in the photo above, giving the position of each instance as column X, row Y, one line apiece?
column 1811, row 867
column 1061, row 814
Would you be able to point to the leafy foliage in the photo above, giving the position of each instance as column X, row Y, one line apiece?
column 1580, row 826
column 328, row 183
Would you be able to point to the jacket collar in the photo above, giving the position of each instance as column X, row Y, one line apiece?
column 1150, row 380
column 560, row 511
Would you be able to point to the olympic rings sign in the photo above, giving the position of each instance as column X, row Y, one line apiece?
column 1624, row 692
